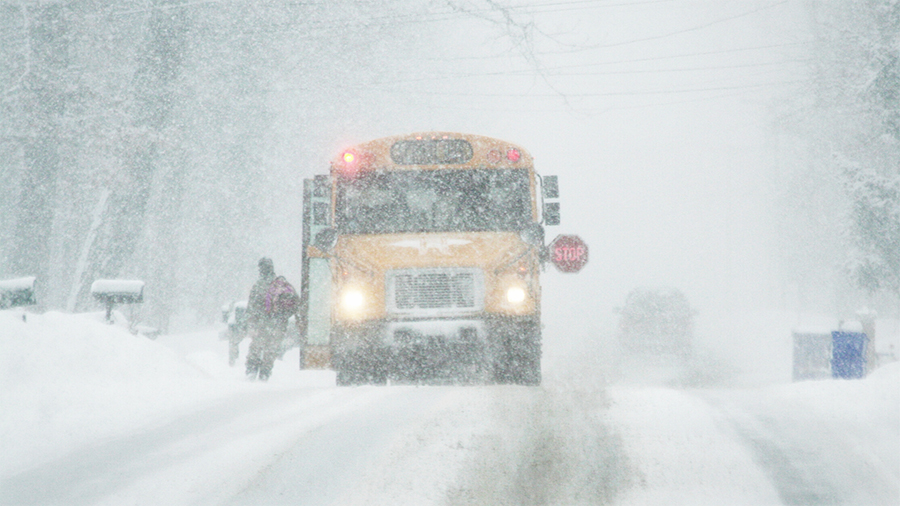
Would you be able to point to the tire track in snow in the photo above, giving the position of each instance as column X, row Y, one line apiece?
column 794, row 484
column 545, row 445
column 685, row 451
column 810, row 458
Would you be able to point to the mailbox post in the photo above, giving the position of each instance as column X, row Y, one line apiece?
column 117, row 291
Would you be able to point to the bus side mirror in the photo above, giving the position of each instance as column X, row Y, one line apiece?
column 550, row 187
column 325, row 240
column 551, row 214
column 533, row 234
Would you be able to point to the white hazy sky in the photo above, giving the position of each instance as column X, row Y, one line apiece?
column 657, row 116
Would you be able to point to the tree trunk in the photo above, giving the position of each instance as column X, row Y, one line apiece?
column 46, row 102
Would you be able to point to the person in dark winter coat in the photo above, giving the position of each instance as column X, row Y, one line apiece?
column 271, row 303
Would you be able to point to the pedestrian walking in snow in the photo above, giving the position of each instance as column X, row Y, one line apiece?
column 271, row 303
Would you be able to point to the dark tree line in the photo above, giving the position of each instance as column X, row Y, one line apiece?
column 95, row 117
column 861, row 88
column 140, row 138
column 133, row 139
column 844, row 215
column 40, row 136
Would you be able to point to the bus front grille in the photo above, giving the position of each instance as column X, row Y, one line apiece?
column 431, row 291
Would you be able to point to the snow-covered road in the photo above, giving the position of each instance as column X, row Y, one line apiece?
column 93, row 415
column 769, row 446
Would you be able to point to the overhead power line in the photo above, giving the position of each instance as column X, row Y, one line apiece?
column 556, row 95
column 550, row 72
column 676, row 32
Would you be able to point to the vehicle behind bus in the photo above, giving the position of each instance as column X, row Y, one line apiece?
column 422, row 257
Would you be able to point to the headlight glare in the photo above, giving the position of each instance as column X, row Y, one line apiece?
column 352, row 299
column 515, row 295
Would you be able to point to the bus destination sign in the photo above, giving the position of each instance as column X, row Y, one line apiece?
column 568, row 253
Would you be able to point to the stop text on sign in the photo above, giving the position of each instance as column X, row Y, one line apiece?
column 569, row 253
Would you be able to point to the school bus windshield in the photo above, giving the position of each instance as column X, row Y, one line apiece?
column 444, row 200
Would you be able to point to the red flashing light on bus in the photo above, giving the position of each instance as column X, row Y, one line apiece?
column 513, row 155
column 352, row 162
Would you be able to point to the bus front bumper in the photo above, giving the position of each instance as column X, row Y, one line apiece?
column 457, row 350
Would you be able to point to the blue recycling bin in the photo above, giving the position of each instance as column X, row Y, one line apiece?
column 848, row 358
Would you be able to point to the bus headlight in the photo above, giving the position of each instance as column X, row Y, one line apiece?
column 352, row 300
column 515, row 295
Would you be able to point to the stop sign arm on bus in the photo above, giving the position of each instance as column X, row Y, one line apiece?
column 569, row 253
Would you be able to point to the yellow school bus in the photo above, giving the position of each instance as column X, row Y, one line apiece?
column 421, row 261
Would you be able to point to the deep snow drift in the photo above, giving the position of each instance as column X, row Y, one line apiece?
column 71, row 381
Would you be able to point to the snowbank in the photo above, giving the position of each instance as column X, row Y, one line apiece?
column 68, row 379
column 71, row 379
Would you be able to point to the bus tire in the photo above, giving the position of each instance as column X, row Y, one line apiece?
column 359, row 373
column 526, row 371
column 517, row 355
column 346, row 379
column 525, row 355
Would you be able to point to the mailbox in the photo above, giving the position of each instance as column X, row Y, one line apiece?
column 17, row 292
column 117, row 291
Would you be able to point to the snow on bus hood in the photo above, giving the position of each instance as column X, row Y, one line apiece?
column 380, row 252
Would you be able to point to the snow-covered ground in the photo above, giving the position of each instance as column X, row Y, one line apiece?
column 92, row 414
